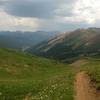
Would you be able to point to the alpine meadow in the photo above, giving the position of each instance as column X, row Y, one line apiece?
column 49, row 50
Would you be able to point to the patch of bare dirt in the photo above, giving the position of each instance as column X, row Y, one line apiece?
column 79, row 63
column 84, row 89
column 27, row 96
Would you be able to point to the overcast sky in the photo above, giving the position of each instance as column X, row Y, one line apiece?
column 49, row 15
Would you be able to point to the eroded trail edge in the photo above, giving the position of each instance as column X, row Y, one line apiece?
column 84, row 89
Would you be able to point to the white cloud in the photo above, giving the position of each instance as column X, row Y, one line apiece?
column 83, row 11
column 87, row 10
column 32, row 14
column 8, row 22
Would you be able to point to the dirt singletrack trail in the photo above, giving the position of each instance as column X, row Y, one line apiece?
column 83, row 88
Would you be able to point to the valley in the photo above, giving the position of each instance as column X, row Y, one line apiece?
column 23, row 40
column 49, row 49
column 51, row 70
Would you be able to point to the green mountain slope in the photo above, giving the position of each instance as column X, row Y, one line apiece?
column 24, row 76
column 71, row 45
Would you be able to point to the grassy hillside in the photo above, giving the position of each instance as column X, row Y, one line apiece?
column 26, row 77
column 70, row 46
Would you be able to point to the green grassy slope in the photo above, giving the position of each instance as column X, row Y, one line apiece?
column 67, row 47
column 23, row 76
column 26, row 77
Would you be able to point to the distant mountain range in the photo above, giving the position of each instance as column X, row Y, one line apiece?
column 23, row 40
column 70, row 45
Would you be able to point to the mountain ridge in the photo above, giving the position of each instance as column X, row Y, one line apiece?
column 70, row 45
column 22, row 40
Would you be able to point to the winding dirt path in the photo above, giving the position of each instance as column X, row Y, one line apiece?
column 83, row 88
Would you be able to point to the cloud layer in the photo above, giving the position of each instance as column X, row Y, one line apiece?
column 32, row 15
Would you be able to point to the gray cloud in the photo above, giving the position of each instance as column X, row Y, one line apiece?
column 2, row 2
column 49, row 15
column 36, row 8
